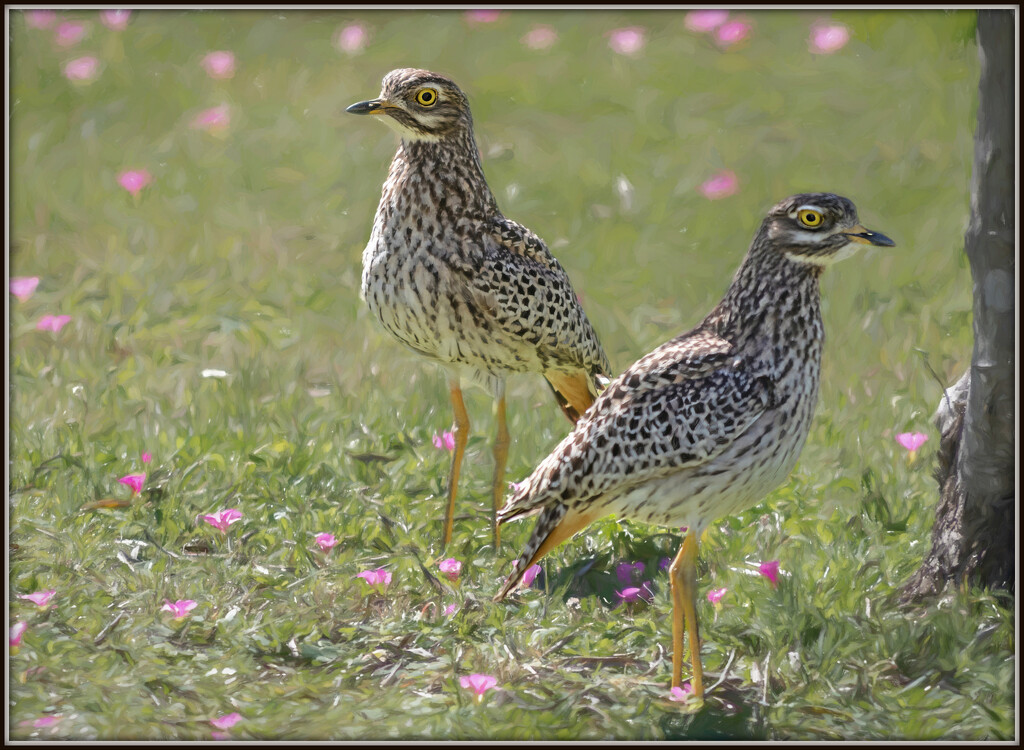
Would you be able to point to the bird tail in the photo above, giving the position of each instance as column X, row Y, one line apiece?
column 556, row 524
column 575, row 391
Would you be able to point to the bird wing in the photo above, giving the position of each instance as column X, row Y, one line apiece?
column 527, row 294
column 679, row 406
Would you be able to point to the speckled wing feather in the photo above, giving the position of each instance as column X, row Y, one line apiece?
column 679, row 406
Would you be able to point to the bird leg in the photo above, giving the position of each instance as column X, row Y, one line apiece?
column 460, row 431
column 683, row 577
column 501, row 442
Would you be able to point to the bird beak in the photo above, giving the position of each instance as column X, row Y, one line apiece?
column 863, row 236
column 370, row 107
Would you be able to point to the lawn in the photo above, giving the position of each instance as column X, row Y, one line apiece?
column 200, row 222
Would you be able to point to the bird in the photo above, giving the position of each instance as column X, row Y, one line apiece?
column 449, row 276
column 709, row 422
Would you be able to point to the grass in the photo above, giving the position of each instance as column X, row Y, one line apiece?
column 243, row 255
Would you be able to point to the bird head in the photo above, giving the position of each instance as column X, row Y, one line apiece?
column 818, row 229
column 419, row 105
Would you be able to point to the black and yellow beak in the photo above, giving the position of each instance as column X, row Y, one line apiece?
column 369, row 107
column 864, row 236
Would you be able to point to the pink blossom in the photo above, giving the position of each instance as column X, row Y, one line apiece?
column 82, row 69
column 720, row 185
column 376, row 577
column 223, row 518
column 703, row 21
column 445, row 440
column 681, row 694
column 732, row 32
column 826, row 38
column 219, row 64
column 664, row 563
column 40, row 19
column 627, row 41
column 39, row 598
column 540, row 37
column 911, row 440
column 451, row 567
column 715, row 595
column 179, row 609
column 24, row 287
column 770, row 570
column 135, row 481
column 227, row 720
column 146, row 457
column 133, row 180
column 70, row 33
column 626, row 571
column 352, row 38
column 483, row 16
column 52, row 322
column 115, row 19
column 634, row 593
column 326, row 541
column 530, row 574
column 451, row 609
column 14, row 634
column 45, row 721
column 478, row 683
column 213, row 119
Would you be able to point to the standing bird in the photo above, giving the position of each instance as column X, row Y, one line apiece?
column 449, row 276
column 709, row 422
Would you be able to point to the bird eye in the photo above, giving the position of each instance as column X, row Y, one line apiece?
column 810, row 218
column 427, row 97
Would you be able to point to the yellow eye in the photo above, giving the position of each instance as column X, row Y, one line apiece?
column 809, row 218
column 427, row 97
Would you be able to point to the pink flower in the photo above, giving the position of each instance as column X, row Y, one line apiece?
column 179, row 609
column 14, row 634
column 483, row 16
column 911, row 440
column 223, row 518
column 626, row 572
column 133, row 180
column 630, row 594
column 681, row 694
column 39, row 598
column 115, row 19
column 24, row 287
column 451, row 567
column 135, row 481
column 52, row 322
column 70, row 33
column 82, row 69
column 540, row 37
column 219, row 64
column 826, row 38
column 770, row 570
column 45, row 721
column 703, row 21
column 478, row 683
column 721, row 185
column 732, row 32
column 376, row 577
column 627, row 41
column 715, row 595
column 326, row 541
column 445, row 440
column 227, row 720
column 146, row 457
column 213, row 119
column 530, row 574
column 40, row 19
column 664, row 563
column 451, row 609
column 352, row 38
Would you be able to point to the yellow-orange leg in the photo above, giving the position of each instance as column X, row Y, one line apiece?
column 683, row 577
column 460, row 431
column 501, row 442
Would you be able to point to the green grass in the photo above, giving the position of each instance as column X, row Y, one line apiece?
column 244, row 255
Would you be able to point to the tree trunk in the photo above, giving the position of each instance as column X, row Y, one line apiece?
column 973, row 536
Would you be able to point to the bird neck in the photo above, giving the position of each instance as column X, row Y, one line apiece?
column 444, row 174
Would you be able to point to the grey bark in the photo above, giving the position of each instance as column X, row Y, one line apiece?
column 973, row 536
